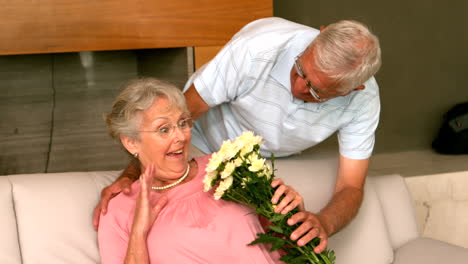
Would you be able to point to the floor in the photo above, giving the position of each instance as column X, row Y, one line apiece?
column 416, row 163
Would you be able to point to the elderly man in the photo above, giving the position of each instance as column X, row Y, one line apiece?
column 295, row 86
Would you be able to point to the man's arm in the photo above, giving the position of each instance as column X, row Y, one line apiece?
column 341, row 209
column 196, row 105
column 349, row 192
column 122, row 184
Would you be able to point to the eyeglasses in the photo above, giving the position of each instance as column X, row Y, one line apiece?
column 301, row 74
column 166, row 130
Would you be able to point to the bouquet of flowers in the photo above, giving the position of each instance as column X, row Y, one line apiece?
column 241, row 174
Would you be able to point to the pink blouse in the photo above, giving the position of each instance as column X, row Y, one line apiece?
column 193, row 227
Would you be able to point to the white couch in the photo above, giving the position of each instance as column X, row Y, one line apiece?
column 46, row 218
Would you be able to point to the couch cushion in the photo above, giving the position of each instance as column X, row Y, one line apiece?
column 54, row 215
column 365, row 240
column 9, row 246
column 398, row 209
column 429, row 251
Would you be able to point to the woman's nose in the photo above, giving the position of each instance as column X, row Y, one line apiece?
column 179, row 134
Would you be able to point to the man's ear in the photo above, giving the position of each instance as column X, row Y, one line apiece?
column 322, row 27
column 130, row 144
column 361, row 87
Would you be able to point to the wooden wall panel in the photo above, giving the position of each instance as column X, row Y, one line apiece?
column 25, row 113
column 85, row 85
column 45, row 26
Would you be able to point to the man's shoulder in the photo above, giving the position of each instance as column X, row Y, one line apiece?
column 267, row 34
column 272, row 24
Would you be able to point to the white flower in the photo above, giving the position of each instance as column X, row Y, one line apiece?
column 247, row 141
column 228, row 169
column 228, row 150
column 247, row 149
column 267, row 172
column 208, row 180
column 223, row 186
column 215, row 161
column 245, row 181
column 256, row 164
column 238, row 162
column 249, row 137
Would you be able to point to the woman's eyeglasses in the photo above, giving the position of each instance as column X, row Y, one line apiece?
column 166, row 130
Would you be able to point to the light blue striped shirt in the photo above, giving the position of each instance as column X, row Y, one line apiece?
column 247, row 85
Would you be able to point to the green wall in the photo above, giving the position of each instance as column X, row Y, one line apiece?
column 425, row 60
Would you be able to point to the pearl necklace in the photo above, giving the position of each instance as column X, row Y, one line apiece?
column 174, row 183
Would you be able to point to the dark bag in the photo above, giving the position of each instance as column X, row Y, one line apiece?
column 453, row 135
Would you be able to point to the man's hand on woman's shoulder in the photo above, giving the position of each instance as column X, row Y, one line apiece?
column 122, row 184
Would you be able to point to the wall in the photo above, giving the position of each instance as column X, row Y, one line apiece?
column 424, row 60
column 51, row 105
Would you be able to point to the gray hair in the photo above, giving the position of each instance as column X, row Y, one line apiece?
column 137, row 96
column 348, row 53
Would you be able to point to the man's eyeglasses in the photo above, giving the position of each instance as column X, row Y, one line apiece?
column 166, row 130
column 301, row 74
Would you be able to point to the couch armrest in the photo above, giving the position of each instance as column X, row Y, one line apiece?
column 397, row 206
column 9, row 244
column 54, row 215
column 430, row 251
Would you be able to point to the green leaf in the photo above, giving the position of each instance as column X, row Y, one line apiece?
column 277, row 229
column 295, row 259
column 277, row 217
column 265, row 238
column 279, row 243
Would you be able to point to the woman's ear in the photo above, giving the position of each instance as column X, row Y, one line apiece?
column 132, row 145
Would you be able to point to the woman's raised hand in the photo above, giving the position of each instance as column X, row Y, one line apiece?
column 147, row 210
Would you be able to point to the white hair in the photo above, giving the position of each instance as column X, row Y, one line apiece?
column 348, row 53
column 137, row 96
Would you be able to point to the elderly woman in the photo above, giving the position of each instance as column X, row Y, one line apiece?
column 168, row 218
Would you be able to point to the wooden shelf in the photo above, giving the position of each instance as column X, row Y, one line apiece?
column 50, row 26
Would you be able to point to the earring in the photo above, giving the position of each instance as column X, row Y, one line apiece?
column 135, row 155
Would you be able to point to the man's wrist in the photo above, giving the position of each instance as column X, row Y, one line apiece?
column 325, row 224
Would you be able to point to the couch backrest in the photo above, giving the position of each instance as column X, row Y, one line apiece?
column 9, row 245
column 398, row 209
column 365, row 240
column 54, row 215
